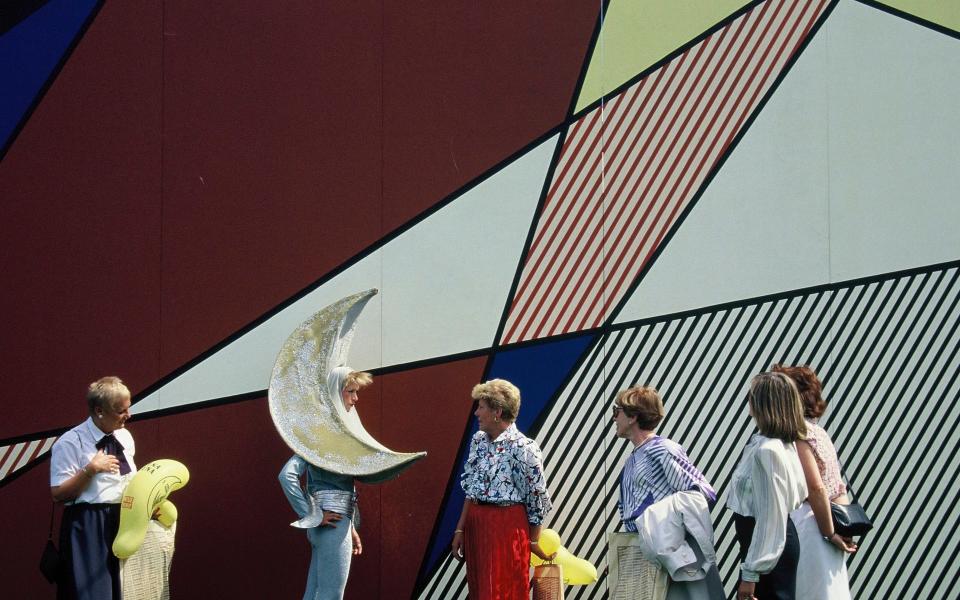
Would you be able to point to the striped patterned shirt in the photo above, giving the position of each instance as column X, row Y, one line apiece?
column 653, row 471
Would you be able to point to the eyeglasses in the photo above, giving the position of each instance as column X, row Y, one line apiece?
column 616, row 410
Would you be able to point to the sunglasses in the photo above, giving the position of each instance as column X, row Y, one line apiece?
column 616, row 410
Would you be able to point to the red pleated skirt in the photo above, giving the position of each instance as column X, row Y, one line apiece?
column 497, row 551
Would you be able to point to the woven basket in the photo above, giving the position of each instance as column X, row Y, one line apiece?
column 547, row 582
column 632, row 577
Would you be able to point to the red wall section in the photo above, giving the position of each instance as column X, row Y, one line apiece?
column 296, row 137
column 235, row 520
column 80, row 211
column 193, row 167
column 25, row 509
column 232, row 513
column 233, row 536
column 424, row 409
column 271, row 158
column 466, row 84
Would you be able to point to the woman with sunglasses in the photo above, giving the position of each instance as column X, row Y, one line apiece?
column 656, row 469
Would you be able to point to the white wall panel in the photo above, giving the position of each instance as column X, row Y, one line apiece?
column 847, row 172
column 443, row 284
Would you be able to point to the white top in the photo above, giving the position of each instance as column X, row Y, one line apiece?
column 768, row 484
column 73, row 451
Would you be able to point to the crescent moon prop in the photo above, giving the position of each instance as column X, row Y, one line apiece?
column 309, row 417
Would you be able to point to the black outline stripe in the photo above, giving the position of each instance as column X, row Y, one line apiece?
column 42, row 92
column 718, row 165
column 767, row 329
column 218, row 402
column 585, row 67
column 600, row 332
column 422, row 576
column 14, row 475
column 823, row 287
column 531, row 233
column 425, row 575
column 660, row 63
column 911, row 17
column 16, row 11
column 374, row 247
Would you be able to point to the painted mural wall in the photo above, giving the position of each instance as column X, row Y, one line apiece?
column 576, row 196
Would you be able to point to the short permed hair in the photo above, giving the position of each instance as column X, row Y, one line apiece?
column 104, row 391
column 644, row 403
column 359, row 378
column 809, row 386
column 776, row 407
column 499, row 393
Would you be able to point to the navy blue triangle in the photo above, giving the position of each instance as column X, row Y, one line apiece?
column 539, row 371
column 31, row 53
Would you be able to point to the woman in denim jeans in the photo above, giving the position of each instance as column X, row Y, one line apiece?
column 327, row 508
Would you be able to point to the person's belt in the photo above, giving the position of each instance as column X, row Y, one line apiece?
column 338, row 501
column 488, row 503
column 89, row 505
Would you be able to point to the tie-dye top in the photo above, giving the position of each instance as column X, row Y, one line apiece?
column 653, row 471
column 505, row 471
column 827, row 462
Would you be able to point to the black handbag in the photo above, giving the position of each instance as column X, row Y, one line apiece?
column 50, row 559
column 850, row 520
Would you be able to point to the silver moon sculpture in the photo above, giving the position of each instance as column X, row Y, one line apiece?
column 311, row 418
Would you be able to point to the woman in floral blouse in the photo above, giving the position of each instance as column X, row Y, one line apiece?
column 506, row 499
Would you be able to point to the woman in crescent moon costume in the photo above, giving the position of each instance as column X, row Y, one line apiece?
column 312, row 398
column 328, row 510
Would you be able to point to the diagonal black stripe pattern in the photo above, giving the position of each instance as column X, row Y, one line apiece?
column 887, row 351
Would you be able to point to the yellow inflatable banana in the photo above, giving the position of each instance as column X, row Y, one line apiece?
column 166, row 514
column 145, row 495
column 576, row 571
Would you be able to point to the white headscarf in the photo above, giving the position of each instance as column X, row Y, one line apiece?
column 350, row 419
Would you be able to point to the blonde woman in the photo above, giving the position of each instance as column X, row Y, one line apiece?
column 767, row 485
column 506, row 499
column 327, row 508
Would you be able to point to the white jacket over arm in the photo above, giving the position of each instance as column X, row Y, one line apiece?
column 663, row 530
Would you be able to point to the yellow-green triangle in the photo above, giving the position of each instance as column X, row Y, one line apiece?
column 942, row 12
column 637, row 33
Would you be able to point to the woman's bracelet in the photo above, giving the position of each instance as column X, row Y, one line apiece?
column 534, row 542
column 456, row 531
